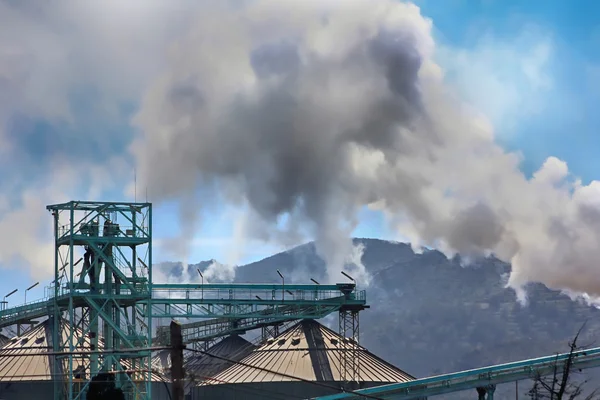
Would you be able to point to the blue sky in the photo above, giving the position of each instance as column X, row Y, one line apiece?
column 567, row 125
column 532, row 66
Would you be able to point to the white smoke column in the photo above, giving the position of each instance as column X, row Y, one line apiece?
column 219, row 273
column 310, row 110
column 356, row 266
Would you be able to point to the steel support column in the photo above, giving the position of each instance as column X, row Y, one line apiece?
column 486, row 392
column 96, row 303
column 269, row 332
column 490, row 392
column 481, row 393
column 349, row 350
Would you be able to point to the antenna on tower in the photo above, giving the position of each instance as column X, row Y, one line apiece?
column 135, row 184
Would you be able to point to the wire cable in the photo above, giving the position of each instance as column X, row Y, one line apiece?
column 135, row 350
column 324, row 385
column 25, row 351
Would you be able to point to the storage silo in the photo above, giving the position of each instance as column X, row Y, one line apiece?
column 304, row 361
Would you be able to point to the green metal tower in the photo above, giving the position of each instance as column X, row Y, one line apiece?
column 102, row 301
column 102, row 291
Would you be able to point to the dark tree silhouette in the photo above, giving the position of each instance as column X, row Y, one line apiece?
column 561, row 385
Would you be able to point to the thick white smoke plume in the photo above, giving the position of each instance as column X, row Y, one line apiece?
column 310, row 110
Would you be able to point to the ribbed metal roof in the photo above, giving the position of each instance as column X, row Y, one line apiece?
column 203, row 366
column 309, row 351
column 200, row 366
column 25, row 358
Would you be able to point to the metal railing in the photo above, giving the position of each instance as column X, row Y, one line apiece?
column 123, row 231
column 480, row 377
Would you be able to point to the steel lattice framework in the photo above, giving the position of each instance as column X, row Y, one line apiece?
column 103, row 291
column 484, row 380
column 350, row 350
column 109, row 297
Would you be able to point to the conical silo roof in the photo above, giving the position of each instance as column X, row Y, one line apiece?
column 309, row 351
column 27, row 358
column 233, row 348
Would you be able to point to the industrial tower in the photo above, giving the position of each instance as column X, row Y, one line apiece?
column 107, row 304
column 102, row 301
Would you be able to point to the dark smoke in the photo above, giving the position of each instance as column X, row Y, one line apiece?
column 310, row 111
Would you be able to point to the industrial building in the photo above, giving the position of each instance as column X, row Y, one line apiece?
column 26, row 364
column 101, row 308
column 303, row 362
column 99, row 318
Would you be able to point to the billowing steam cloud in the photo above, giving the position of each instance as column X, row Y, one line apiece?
column 310, row 112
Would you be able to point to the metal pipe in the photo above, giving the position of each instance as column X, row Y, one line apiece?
column 202, row 287
column 282, row 286
column 29, row 288
column 348, row 276
column 4, row 302
column 316, row 294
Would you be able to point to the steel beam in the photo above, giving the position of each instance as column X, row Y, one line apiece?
column 350, row 351
column 486, row 377
column 100, row 298
column 108, row 301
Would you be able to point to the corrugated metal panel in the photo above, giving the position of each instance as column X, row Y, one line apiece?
column 24, row 357
column 309, row 351
column 233, row 348
column 199, row 366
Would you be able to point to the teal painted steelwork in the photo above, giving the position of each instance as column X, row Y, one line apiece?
column 480, row 377
column 239, row 298
column 321, row 289
column 237, row 308
column 114, row 310
column 231, row 301
column 200, row 331
column 105, row 299
column 217, row 327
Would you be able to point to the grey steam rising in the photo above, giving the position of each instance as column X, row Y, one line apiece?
column 305, row 112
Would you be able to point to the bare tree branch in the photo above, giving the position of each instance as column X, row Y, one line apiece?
column 560, row 384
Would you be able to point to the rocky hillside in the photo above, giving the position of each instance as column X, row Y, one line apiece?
column 430, row 315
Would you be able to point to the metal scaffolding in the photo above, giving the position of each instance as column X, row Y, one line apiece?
column 102, row 301
column 107, row 303
column 349, row 350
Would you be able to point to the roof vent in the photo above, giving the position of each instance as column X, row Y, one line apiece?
column 281, row 342
column 24, row 341
column 295, row 341
column 334, row 341
column 39, row 340
column 270, row 341
column 14, row 340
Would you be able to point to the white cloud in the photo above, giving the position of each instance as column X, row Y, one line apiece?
column 26, row 227
column 507, row 79
column 439, row 174
column 52, row 56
